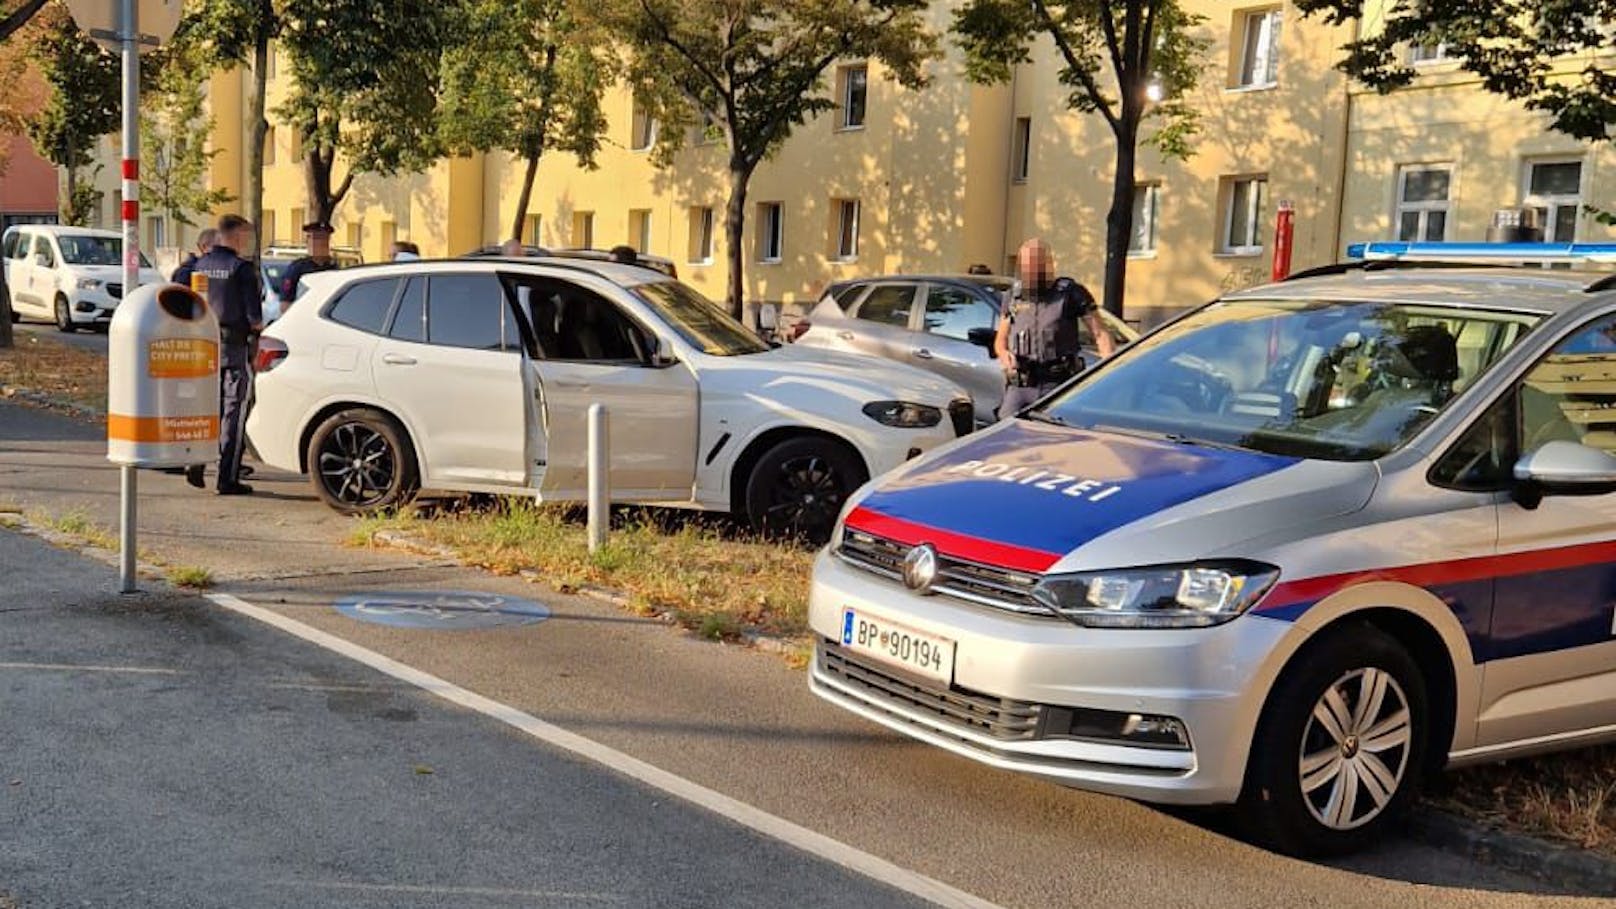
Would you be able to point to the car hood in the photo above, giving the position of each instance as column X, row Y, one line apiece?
column 867, row 378
column 1036, row 497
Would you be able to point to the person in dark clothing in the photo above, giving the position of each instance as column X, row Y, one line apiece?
column 236, row 298
column 625, row 255
column 204, row 242
column 1038, row 341
column 317, row 237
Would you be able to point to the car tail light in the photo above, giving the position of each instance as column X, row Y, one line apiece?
column 800, row 328
column 270, row 354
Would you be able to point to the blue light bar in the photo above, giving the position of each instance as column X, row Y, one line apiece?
column 1380, row 250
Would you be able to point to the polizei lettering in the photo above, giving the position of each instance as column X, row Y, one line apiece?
column 1048, row 480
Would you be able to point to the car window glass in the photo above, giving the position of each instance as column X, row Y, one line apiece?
column 13, row 245
column 888, row 304
column 952, row 312
column 42, row 248
column 365, row 305
column 572, row 323
column 846, row 295
column 409, row 322
column 1571, row 394
column 468, row 311
column 1484, row 456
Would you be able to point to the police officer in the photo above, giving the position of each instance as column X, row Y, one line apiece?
column 204, row 243
column 317, row 237
column 1038, row 341
column 236, row 299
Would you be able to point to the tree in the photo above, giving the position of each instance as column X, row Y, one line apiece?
column 753, row 71
column 365, row 80
column 1117, row 56
column 83, row 106
column 174, row 128
column 526, row 77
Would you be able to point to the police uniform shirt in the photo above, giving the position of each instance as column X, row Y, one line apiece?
column 295, row 272
column 1075, row 303
column 233, row 292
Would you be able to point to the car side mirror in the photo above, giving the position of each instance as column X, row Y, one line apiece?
column 982, row 337
column 664, row 355
column 1566, row 469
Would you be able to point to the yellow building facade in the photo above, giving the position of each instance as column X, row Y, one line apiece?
column 936, row 180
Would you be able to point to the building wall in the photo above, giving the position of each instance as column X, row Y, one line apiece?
column 28, row 183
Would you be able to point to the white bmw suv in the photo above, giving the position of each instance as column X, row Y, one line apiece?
column 477, row 375
column 72, row 276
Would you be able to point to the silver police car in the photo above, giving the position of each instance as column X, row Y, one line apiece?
column 1294, row 552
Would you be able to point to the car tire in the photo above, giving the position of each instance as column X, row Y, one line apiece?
column 797, row 488
column 388, row 477
column 64, row 316
column 1340, row 748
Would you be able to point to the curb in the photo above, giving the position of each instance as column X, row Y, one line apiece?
column 1567, row 866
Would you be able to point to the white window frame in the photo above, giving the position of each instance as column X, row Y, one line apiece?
column 847, row 251
column 1021, row 150
column 641, row 140
column 1149, row 190
column 702, row 227
column 845, row 111
column 773, row 216
column 1428, row 54
column 587, row 220
column 1254, row 210
column 639, row 229
column 1529, row 200
column 1424, row 208
column 1264, row 57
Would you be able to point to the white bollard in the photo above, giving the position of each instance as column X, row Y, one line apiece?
column 600, row 497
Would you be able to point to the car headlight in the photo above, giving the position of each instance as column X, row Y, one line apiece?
column 1170, row 596
column 903, row 414
column 89, row 284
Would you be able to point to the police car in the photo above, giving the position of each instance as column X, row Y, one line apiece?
column 1295, row 551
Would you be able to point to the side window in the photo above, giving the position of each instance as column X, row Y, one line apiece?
column 1570, row 394
column 409, row 321
column 365, row 305
column 571, row 323
column 469, row 311
column 1484, row 457
column 13, row 243
column 847, row 295
column 952, row 312
column 888, row 304
column 42, row 247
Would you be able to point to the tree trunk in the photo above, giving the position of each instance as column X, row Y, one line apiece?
column 519, row 222
column 740, row 174
column 5, row 311
column 70, row 209
column 255, row 145
column 1119, row 221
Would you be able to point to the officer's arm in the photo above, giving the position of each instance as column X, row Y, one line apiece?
column 1001, row 343
column 248, row 276
column 1102, row 335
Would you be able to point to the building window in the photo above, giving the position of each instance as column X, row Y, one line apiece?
column 771, row 232
column 269, row 147
column 295, row 229
column 855, row 91
column 639, row 229
column 1428, row 53
column 845, row 241
column 1259, row 48
column 356, row 235
column 1554, row 190
column 583, row 229
column 644, row 126
column 389, row 237
column 1246, row 198
column 297, row 145
column 156, row 233
column 266, row 230
column 1146, row 204
column 701, row 235
column 530, row 229
column 1021, row 150
column 1422, row 201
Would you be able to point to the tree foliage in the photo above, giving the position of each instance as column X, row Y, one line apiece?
column 83, row 105
column 1116, row 56
column 753, row 71
column 525, row 77
column 174, row 131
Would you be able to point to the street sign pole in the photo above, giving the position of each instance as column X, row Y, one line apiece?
column 129, row 38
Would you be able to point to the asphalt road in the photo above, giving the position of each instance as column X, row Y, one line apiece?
column 735, row 720
column 85, row 338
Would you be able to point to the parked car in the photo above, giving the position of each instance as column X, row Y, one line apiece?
column 654, row 262
column 476, row 376
column 941, row 323
column 272, row 265
column 1295, row 551
column 72, row 276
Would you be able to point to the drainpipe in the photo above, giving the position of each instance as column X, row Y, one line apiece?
column 1336, row 249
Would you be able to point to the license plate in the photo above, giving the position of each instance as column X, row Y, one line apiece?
column 898, row 645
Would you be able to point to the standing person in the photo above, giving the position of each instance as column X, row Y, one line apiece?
column 204, row 243
column 405, row 251
column 237, row 301
column 625, row 255
column 317, row 238
column 512, row 248
column 1038, row 341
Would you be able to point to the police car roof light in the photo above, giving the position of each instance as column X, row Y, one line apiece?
column 1380, row 250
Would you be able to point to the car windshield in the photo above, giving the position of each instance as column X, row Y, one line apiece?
column 93, row 250
column 698, row 320
column 1329, row 380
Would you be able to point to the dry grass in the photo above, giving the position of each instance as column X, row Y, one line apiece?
column 78, row 526
column 1569, row 797
column 190, row 577
column 706, row 578
column 57, row 371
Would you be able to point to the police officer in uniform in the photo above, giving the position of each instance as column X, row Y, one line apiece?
column 317, row 237
column 1038, row 340
column 236, row 298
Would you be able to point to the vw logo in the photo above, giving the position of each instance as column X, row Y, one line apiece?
column 920, row 568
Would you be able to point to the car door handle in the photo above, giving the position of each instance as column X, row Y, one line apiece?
column 398, row 360
column 845, row 335
column 923, row 354
column 570, row 383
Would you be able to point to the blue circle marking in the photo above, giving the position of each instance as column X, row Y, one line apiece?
column 441, row 609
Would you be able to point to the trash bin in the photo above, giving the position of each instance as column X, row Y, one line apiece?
column 163, row 379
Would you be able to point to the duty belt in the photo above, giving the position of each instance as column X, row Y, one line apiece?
column 1033, row 375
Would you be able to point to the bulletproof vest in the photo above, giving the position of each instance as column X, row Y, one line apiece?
column 1043, row 328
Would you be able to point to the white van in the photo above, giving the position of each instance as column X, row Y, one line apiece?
column 72, row 276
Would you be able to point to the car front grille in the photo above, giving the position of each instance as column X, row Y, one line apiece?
column 1001, row 718
column 115, row 291
column 963, row 415
column 970, row 581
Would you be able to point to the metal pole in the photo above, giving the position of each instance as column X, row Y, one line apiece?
column 599, row 484
column 129, row 34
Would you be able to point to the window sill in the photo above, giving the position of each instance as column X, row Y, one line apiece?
column 1244, row 252
column 699, row 263
column 850, row 129
column 1142, row 254
column 1249, row 89
column 769, row 261
column 844, row 260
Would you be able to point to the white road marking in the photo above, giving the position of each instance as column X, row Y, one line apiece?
column 75, row 667
column 756, row 819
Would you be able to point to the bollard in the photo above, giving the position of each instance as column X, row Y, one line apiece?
column 600, row 497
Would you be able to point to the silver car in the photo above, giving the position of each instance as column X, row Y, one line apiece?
column 1295, row 551
column 941, row 323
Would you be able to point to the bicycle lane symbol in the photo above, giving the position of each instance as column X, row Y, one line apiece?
column 442, row 610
